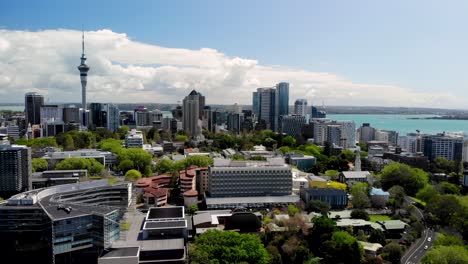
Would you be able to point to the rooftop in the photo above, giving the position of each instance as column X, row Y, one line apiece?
column 378, row 191
column 121, row 252
column 356, row 174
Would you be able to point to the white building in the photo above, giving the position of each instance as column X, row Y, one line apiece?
column 134, row 139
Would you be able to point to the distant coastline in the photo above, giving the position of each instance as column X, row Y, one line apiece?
column 461, row 117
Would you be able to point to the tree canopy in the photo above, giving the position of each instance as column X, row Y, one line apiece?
column 411, row 179
column 216, row 246
column 93, row 166
column 132, row 175
column 446, row 255
column 39, row 165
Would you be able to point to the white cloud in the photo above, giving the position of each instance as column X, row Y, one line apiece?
column 123, row 70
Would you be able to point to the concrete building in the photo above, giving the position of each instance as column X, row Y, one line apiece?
column 160, row 236
column 253, row 180
column 315, row 113
column 33, row 103
column 272, row 178
column 234, row 122
column 15, row 168
column 134, row 139
column 443, row 145
column 352, row 177
column 69, row 223
column 192, row 111
column 417, row 160
column 366, row 133
column 334, row 135
column 300, row 107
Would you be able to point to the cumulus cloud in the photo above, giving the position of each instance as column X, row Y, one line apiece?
column 124, row 70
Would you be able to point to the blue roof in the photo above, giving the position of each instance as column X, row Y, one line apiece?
column 378, row 191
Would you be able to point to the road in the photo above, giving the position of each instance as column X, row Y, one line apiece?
column 416, row 252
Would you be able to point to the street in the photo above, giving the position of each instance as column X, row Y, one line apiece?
column 416, row 252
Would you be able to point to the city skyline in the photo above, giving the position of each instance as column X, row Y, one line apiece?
column 136, row 64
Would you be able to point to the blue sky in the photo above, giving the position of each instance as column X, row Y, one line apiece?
column 419, row 45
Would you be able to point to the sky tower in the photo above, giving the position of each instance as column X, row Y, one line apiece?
column 83, row 68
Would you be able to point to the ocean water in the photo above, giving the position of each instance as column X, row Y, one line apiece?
column 403, row 124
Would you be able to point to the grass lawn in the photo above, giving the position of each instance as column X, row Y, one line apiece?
column 375, row 218
column 418, row 201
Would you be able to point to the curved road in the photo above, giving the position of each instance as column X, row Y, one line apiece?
column 416, row 252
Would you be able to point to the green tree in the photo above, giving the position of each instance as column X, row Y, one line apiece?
column 449, row 188
column 39, row 164
column 110, row 144
column 125, row 165
column 93, row 166
column 397, row 196
column 68, row 142
column 342, row 248
column 148, row 171
column 426, row 193
column 443, row 165
column 132, row 175
column 322, row 230
column 392, row 252
column 333, row 174
column 165, row 166
column 318, row 207
column 293, row 210
column 289, row 141
column 138, row 156
column 359, row 192
column 448, row 240
column 360, row 214
column 192, row 209
column 377, row 236
column 122, row 131
column 216, row 246
column 446, row 255
column 182, row 138
column 411, row 179
column 446, row 210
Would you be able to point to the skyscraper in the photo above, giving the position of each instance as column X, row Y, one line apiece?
column 33, row 103
column 15, row 168
column 281, row 103
column 256, row 103
column 300, row 107
column 191, row 114
column 83, row 68
column 272, row 104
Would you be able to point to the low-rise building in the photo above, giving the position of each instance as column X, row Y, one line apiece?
column 371, row 249
column 302, row 162
column 134, row 139
column 379, row 198
column 352, row 177
column 158, row 237
column 336, row 198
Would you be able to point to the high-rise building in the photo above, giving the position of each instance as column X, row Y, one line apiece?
column 334, row 134
column 256, row 103
column 366, row 133
column 292, row 124
column 315, row 113
column 209, row 119
column 272, row 104
column 443, row 145
column 234, row 122
column 281, row 102
column 33, row 103
column 83, row 68
column 104, row 115
column 134, row 139
column 15, row 168
column 191, row 114
column 71, row 114
column 300, row 107
column 51, row 113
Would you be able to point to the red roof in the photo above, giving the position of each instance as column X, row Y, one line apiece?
column 191, row 193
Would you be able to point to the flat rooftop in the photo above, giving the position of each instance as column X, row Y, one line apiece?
column 121, row 252
column 156, row 213
column 164, row 225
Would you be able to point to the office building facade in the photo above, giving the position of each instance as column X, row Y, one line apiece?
column 292, row 124
column 191, row 114
column 69, row 223
column 244, row 178
column 300, row 107
column 15, row 168
column 443, row 145
column 33, row 103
